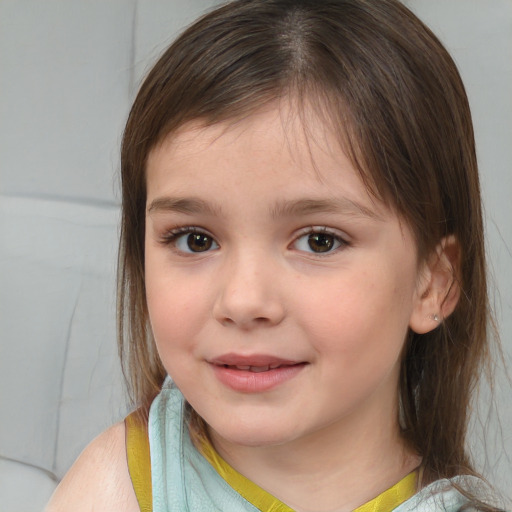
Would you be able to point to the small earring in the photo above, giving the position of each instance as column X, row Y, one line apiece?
column 436, row 318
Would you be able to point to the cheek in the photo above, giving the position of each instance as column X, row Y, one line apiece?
column 172, row 306
column 171, row 313
column 173, row 323
column 361, row 318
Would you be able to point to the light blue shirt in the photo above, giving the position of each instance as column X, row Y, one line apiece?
column 184, row 481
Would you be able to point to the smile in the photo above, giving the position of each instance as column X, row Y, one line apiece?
column 256, row 369
column 254, row 374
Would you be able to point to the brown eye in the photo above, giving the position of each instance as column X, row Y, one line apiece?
column 199, row 242
column 321, row 242
column 190, row 241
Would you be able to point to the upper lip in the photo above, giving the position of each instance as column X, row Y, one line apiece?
column 257, row 360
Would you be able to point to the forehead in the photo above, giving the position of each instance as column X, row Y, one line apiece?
column 293, row 122
column 278, row 150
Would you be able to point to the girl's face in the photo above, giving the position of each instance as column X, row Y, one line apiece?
column 279, row 292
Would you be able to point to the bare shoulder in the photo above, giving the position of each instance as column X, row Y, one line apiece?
column 99, row 479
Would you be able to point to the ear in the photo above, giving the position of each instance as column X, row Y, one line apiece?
column 438, row 289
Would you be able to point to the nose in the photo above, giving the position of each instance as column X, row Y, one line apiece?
column 249, row 294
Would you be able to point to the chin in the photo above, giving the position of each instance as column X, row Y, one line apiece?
column 257, row 434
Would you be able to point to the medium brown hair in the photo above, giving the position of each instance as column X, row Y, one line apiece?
column 386, row 85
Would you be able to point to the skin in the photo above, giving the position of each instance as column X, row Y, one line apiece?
column 261, row 289
column 99, row 480
column 326, row 439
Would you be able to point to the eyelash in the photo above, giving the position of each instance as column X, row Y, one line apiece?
column 322, row 230
column 172, row 237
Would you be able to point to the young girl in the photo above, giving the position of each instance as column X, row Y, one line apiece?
column 303, row 308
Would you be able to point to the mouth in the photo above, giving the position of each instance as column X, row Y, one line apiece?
column 257, row 369
column 255, row 373
column 253, row 363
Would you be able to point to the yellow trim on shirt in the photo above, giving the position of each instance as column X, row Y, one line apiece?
column 265, row 502
column 254, row 494
column 394, row 496
column 139, row 460
column 139, row 465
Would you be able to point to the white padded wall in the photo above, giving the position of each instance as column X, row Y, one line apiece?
column 63, row 95
column 68, row 72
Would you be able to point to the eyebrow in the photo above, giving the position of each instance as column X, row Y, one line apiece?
column 341, row 205
column 283, row 208
column 187, row 205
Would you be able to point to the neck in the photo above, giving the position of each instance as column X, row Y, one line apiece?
column 337, row 468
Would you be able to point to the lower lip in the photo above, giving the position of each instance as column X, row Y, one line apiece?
column 256, row 382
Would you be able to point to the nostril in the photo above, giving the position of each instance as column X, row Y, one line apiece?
column 226, row 321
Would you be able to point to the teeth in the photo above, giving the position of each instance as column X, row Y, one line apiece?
column 258, row 369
